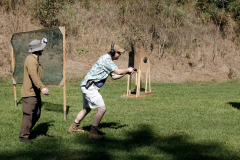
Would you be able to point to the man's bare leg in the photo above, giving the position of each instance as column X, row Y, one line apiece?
column 82, row 114
column 76, row 123
column 96, row 120
column 98, row 116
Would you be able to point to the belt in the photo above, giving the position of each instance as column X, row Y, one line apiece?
column 88, row 86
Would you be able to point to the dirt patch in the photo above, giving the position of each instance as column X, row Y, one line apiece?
column 175, row 70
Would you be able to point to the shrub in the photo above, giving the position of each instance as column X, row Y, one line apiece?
column 46, row 11
column 8, row 5
column 220, row 10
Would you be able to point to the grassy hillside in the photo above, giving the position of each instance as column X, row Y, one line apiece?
column 186, row 40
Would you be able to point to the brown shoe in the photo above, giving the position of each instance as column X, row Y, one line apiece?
column 94, row 134
column 74, row 128
column 26, row 140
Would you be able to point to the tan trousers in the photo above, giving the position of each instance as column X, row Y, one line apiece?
column 31, row 108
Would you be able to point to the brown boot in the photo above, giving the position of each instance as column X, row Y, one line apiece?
column 94, row 134
column 74, row 128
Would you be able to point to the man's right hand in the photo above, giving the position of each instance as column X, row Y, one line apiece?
column 131, row 70
column 45, row 91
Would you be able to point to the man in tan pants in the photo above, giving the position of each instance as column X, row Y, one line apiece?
column 31, row 89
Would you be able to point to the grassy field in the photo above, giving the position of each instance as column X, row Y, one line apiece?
column 180, row 121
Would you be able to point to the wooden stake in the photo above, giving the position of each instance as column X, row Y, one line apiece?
column 137, row 86
column 64, row 75
column 139, row 81
column 15, row 95
column 14, row 82
column 146, row 81
column 149, row 76
column 136, row 77
column 128, row 85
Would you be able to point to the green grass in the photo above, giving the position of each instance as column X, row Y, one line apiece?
column 180, row 121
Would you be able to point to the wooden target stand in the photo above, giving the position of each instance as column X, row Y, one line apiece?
column 142, row 64
column 63, row 82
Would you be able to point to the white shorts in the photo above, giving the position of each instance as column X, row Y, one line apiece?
column 91, row 97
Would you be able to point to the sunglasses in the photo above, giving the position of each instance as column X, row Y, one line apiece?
column 119, row 53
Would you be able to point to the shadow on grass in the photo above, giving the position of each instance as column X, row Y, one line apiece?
column 54, row 107
column 235, row 105
column 111, row 125
column 41, row 130
column 19, row 102
column 142, row 143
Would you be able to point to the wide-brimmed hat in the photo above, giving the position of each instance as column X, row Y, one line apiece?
column 117, row 48
column 36, row 45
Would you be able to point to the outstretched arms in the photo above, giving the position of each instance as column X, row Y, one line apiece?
column 119, row 73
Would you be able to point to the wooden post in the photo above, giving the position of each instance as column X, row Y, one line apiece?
column 149, row 76
column 64, row 75
column 15, row 92
column 128, row 85
column 64, row 78
column 137, row 75
column 137, row 86
column 146, row 81
column 139, row 81
column 140, row 77
column 130, row 81
column 136, row 81
column 14, row 82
